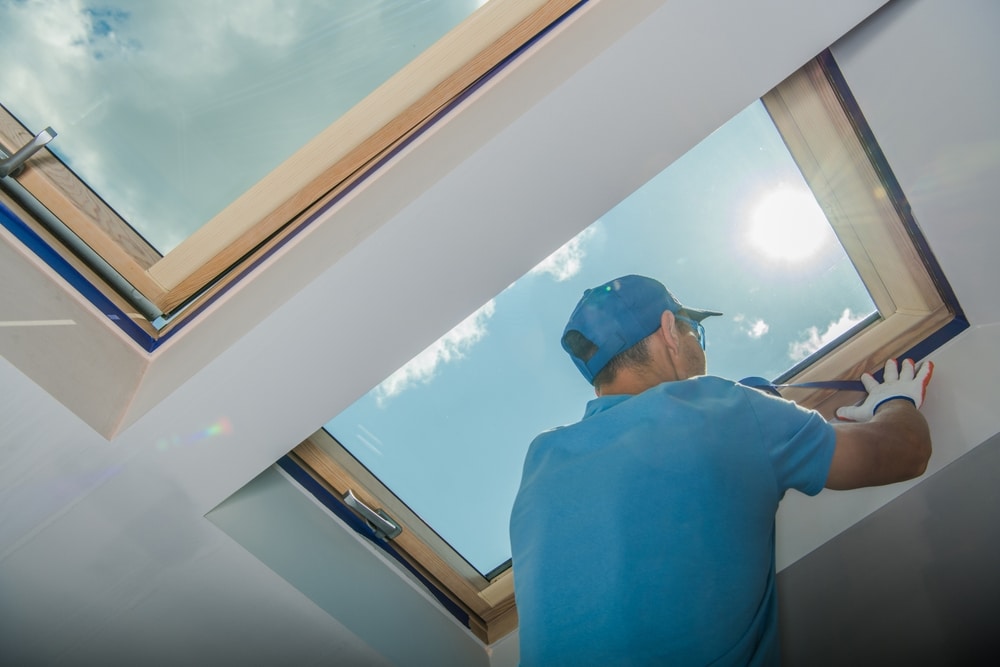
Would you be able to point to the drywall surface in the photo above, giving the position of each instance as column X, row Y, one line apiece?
column 309, row 547
column 916, row 581
column 913, row 584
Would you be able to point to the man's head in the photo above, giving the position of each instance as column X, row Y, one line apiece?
column 616, row 316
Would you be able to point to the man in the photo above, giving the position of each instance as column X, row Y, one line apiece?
column 644, row 534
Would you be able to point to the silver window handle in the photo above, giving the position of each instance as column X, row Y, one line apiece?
column 8, row 165
column 385, row 527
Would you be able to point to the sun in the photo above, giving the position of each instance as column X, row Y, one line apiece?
column 787, row 224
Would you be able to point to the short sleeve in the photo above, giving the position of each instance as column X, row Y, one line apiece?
column 799, row 442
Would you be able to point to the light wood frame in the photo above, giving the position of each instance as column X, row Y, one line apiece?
column 824, row 140
column 328, row 165
column 806, row 108
column 488, row 603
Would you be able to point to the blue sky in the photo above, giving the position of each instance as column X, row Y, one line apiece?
column 170, row 110
column 448, row 432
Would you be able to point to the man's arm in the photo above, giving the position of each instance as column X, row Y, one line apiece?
column 889, row 441
column 893, row 446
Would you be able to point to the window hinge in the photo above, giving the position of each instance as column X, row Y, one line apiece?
column 10, row 164
column 384, row 525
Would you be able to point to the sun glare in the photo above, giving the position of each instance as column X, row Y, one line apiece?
column 787, row 224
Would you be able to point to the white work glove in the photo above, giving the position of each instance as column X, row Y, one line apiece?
column 906, row 381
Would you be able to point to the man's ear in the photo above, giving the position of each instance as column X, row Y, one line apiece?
column 668, row 328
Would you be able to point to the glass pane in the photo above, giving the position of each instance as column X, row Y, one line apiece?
column 731, row 227
column 171, row 109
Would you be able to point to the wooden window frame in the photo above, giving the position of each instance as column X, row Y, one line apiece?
column 824, row 134
column 287, row 198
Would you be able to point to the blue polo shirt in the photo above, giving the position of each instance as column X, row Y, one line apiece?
column 644, row 534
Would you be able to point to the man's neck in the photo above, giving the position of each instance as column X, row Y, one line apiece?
column 632, row 383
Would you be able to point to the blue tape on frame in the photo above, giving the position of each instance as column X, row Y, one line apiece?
column 361, row 526
column 771, row 388
column 68, row 272
column 291, row 233
column 150, row 343
column 894, row 191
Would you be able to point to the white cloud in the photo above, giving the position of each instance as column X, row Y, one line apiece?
column 565, row 262
column 453, row 345
column 752, row 328
column 172, row 110
column 814, row 340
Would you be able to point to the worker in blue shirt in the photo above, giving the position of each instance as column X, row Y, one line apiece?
column 644, row 533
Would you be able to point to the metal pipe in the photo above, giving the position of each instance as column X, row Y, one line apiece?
column 10, row 164
column 68, row 237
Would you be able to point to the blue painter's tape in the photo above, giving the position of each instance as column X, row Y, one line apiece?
column 771, row 388
column 897, row 197
column 361, row 526
column 68, row 272
column 291, row 233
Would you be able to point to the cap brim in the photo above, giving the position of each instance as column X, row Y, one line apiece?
column 697, row 314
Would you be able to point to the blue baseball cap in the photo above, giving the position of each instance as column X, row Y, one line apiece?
column 612, row 317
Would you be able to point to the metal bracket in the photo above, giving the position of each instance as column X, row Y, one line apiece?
column 384, row 525
column 8, row 165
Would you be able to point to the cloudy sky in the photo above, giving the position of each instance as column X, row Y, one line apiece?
column 171, row 109
column 729, row 227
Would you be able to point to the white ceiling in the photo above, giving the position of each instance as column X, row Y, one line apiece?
column 105, row 554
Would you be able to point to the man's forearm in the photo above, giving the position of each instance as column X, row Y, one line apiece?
column 906, row 432
column 894, row 446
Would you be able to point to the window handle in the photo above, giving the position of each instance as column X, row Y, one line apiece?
column 385, row 527
column 8, row 165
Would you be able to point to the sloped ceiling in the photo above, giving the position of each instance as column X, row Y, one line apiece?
column 105, row 554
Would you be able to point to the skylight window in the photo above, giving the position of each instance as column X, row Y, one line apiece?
column 731, row 226
column 219, row 131
column 734, row 226
column 787, row 219
column 171, row 110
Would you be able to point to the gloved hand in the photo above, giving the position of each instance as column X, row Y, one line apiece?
column 906, row 381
